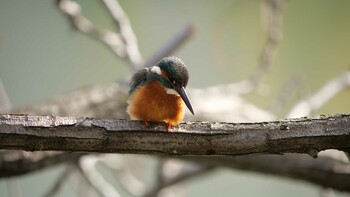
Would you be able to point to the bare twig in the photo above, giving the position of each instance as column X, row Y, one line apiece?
column 127, row 34
column 327, row 92
column 287, row 91
column 305, row 135
column 115, row 41
column 160, row 173
column 273, row 14
column 120, row 164
column 95, row 179
column 190, row 171
column 172, row 45
column 103, row 101
column 60, row 181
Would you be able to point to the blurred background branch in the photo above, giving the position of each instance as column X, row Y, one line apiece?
column 333, row 87
column 272, row 13
column 123, row 44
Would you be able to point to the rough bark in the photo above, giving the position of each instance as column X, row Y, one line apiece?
column 304, row 135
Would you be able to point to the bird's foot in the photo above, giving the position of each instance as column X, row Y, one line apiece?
column 168, row 126
column 146, row 123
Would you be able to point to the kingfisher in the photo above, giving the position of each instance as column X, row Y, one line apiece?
column 157, row 93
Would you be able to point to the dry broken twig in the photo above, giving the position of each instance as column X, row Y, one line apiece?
column 328, row 91
column 123, row 44
column 126, row 32
column 87, row 168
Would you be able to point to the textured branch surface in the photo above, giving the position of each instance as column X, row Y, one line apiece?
column 305, row 135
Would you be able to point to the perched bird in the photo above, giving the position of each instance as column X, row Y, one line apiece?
column 158, row 93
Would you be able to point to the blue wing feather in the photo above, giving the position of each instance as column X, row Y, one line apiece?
column 138, row 79
column 144, row 76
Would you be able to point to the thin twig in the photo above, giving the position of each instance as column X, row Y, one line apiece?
column 87, row 168
column 189, row 172
column 114, row 41
column 319, row 99
column 289, row 89
column 160, row 173
column 118, row 163
column 172, row 45
column 273, row 12
column 126, row 32
column 60, row 181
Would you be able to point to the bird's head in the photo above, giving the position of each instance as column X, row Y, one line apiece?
column 174, row 77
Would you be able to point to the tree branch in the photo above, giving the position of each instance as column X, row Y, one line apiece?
column 127, row 34
column 101, row 101
column 123, row 43
column 87, row 168
column 321, row 171
column 60, row 181
column 273, row 14
column 192, row 170
column 172, row 45
column 305, row 135
column 322, row 96
column 14, row 163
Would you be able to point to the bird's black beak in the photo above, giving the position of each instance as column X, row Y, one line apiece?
column 182, row 92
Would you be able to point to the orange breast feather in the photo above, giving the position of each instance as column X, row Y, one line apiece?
column 151, row 103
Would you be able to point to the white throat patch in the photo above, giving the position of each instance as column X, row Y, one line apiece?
column 156, row 69
column 171, row 91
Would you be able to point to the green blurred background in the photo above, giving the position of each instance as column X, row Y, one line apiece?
column 41, row 57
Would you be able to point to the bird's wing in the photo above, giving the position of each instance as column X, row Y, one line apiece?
column 138, row 79
column 145, row 76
